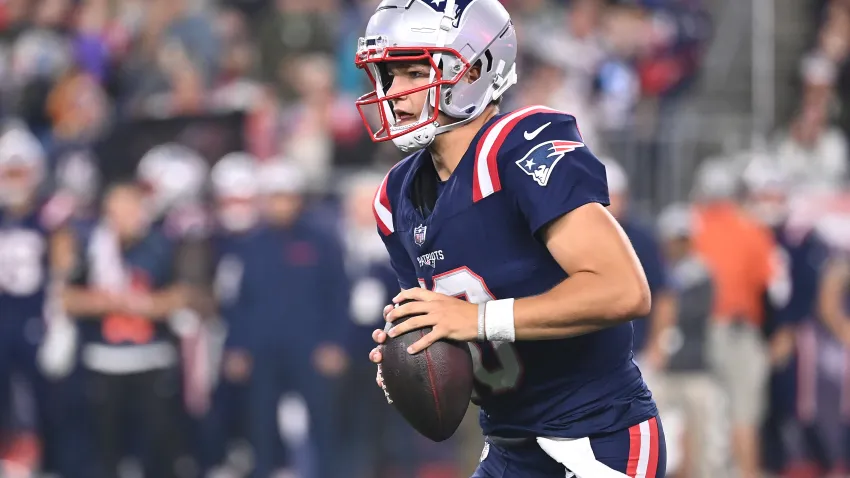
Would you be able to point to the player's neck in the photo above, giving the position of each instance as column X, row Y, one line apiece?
column 448, row 148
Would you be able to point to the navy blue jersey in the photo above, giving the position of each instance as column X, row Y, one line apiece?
column 481, row 242
column 806, row 256
column 149, row 266
column 24, row 264
column 235, row 257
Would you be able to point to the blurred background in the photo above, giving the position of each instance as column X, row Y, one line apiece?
column 190, row 272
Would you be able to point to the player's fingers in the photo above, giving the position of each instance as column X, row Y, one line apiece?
column 376, row 356
column 379, row 336
column 417, row 293
column 408, row 309
column 387, row 310
column 425, row 342
column 411, row 324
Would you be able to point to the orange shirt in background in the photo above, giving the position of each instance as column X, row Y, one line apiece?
column 741, row 253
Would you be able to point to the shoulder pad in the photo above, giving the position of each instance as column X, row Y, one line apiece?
column 503, row 142
column 382, row 205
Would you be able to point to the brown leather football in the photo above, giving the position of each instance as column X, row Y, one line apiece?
column 431, row 389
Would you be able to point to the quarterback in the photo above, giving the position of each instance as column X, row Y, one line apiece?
column 497, row 229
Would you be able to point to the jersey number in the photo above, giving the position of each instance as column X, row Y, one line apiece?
column 465, row 284
column 21, row 254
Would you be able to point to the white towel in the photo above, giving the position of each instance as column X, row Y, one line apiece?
column 107, row 270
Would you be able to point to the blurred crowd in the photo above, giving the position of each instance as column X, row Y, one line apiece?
column 190, row 271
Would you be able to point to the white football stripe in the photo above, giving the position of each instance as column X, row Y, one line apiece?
column 645, row 445
column 384, row 214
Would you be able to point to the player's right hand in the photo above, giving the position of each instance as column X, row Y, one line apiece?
column 378, row 336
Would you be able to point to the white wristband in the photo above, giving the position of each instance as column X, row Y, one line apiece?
column 499, row 320
column 482, row 334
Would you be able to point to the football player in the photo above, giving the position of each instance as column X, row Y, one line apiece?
column 497, row 229
column 32, row 241
column 801, row 327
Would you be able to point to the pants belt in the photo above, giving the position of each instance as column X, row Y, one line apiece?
column 510, row 442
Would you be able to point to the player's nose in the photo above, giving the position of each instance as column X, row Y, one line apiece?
column 396, row 87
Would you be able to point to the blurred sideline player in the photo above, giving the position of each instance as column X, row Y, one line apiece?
column 122, row 293
column 244, row 396
column 366, row 420
column 77, row 182
column 32, row 241
column 650, row 331
column 793, row 331
column 507, row 211
column 688, row 395
column 831, row 352
column 305, row 276
column 174, row 178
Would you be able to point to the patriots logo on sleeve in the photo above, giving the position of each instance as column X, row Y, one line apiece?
column 542, row 159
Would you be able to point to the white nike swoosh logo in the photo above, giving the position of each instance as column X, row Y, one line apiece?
column 533, row 134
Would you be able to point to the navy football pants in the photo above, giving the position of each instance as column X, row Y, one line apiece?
column 636, row 452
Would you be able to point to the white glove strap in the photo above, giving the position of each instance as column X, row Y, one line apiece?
column 499, row 320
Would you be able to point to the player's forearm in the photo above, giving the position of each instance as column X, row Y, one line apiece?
column 167, row 301
column 84, row 303
column 583, row 303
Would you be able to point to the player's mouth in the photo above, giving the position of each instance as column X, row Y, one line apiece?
column 404, row 118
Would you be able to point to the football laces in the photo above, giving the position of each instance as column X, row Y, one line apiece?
column 384, row 385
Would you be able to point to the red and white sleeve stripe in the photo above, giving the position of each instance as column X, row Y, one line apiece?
column 382, row 209
column 486, row 170
column 643, row 450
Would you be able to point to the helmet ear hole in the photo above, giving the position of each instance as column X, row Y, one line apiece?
column 489, row 57
column 474, row 72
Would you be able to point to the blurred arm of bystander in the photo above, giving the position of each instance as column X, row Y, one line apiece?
column 836, row 278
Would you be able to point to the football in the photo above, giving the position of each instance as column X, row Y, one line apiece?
column 431, row 389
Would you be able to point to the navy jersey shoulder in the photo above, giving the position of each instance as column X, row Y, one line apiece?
column 481, row 241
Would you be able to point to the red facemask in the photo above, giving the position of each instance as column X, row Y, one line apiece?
column 373, row 55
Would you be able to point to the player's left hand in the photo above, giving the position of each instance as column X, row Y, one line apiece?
column 448, row 317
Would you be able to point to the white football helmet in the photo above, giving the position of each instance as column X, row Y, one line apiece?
column 768, row 191
column 22, row 166
column 174, row 175
column 234, row 181
column 715, row 180
column 453, row 36
column 280, row 176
